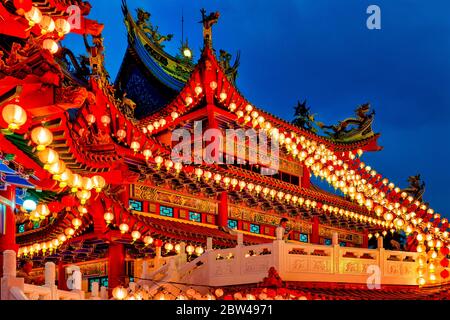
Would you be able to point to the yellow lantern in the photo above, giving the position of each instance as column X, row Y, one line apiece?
column 105, row 119
column 135, row 235
column 135, row 145
column 168, row 246
column 198, row 90
column 14, row 115
column 76, row 182
column 188, row 100
column 120, row 293
column 65, row 177
column 62, row 27
column 55, row 243
column 124, row 228
column 98, row 182
column 69, row 232
column 50, row 45
column 35, row 216
column 147, row 153
column 57, row 168
column 121, row 134
column 174, row 115
column 76, row 222
column 43, row 210
column 48, row 157
column 199, row 251
column 87, row 183
column 109, row 217
column 178, row 166
column 47, row 24
column 190, row 249
column 148, row 240
column 83, row 196
column 62, row 238
column 34, row 16
column 159, row 160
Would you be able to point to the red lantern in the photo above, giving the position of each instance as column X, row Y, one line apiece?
column 24, row 5
column 444, row 274
column 444, row 262
column 68, row 201
column 444, row 251
column 158, row 243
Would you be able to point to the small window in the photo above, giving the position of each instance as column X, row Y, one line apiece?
column 327, row 242
column 254, row 228
column 303, row 237
column 36, row 224
column 135, row 205
column 166, row 211
column 342, row 244
column 21, row 228
column 232, row 224
column 195, row 216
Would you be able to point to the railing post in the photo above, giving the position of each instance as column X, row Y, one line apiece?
column 103, row 293
column 209, row 244
column 336, row 252
column 277, row 251
column 9, row 279
column 382, row 256
column 50, row 280
column 94, row 291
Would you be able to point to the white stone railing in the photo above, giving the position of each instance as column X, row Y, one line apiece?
column 303, row 262
column 13, row 288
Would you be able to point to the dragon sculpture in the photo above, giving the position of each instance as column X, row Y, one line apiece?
column 352, row 129
column 303, row 117
column 416, row 187
column 208, row 20
column 144, row 23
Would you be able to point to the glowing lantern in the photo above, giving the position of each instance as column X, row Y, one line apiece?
column 34, row 16
column 223, row 96
column 188, row 100
column 217, row 178
column 55, row 243
column 83, row 196
column 34, row 216
column 135, row 146
column 177, row 247
column 62, row 26
column 57, row 168
column 232, row 106
column 198, row 172
column 178, row 166
column 388, row 216
column 37, row 247
column 190, row 249
column 82, row 210
column 124, row 228
column 87, row 184
column 14, row 115
column 90, row 118
column 162, row 122
column 147, row 153
column 65, row 177
column 109, row 217
column 234, row 182
column 174, row 115
column 69, row 232
column 148, row 240
column 105, row 120
column 218, row 293
column 48, row 157
column 120, row 293
column 76, row 222
column 43, row 210
column 198, row 90
column 50, row 45
column 121, row 134
column 135, row 235
column 76, row 182
column 98, row 182
column 168, row 246
column 169, row 164
column 62, row 238
column 29, row 205
column 199, row 251
column 159, row 160
column 213, row 85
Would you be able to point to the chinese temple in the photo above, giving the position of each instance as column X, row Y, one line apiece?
column 94, row 206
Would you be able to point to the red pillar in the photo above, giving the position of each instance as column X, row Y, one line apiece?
column 116, row 265
column 222, row 218
column 365, row 242
column 62, row 284
column 315, row 230
column 97, row 212
column 8, row 239
column 305, row 182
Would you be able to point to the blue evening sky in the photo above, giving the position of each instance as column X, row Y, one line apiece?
column 322, row 51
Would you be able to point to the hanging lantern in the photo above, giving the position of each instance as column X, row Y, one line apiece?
column 174, row 115
column 190, row 249
column 62, row 26
column 62, row 238
column 90, row 118
column 159, row 160
column 124, row 228
column 177, row 248
column 169, row 164
column 57, row 168
column 69, row 232
column 121, row 134
column 34, row 216
column 29, row 205
column 213, row 85
column 147, row 153
column 223, row 96
column 76, row 182
column 178, row 166
column 188, row 100
column 82, row 210
column 76, row 222
column 48, row 157
column 65, row 177
column 83, row 196
column 135, row 235
column 47, row 25
column 14, row 115
column 105, row 120
column 120, row 293
column 50, row 45
column 162, row 122
column 87, row 183
column 135, row 145
column 158, row 243
column 232, row 107
column 217, row 178
column 199, row 251
column 198, row 90
column 148, row 240
column 99, row 183
column 34, row 16
column 55, row 243
column 168, row 246
column 43, row 210
column 109, row 217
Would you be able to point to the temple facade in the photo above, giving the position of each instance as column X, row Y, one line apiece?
column 132, row 189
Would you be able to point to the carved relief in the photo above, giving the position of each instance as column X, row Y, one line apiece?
column 142, row 192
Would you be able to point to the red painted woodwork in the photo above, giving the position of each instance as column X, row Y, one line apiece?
column 315, row 238
column 8, row 240
column 222, row 217
column 116, row 265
